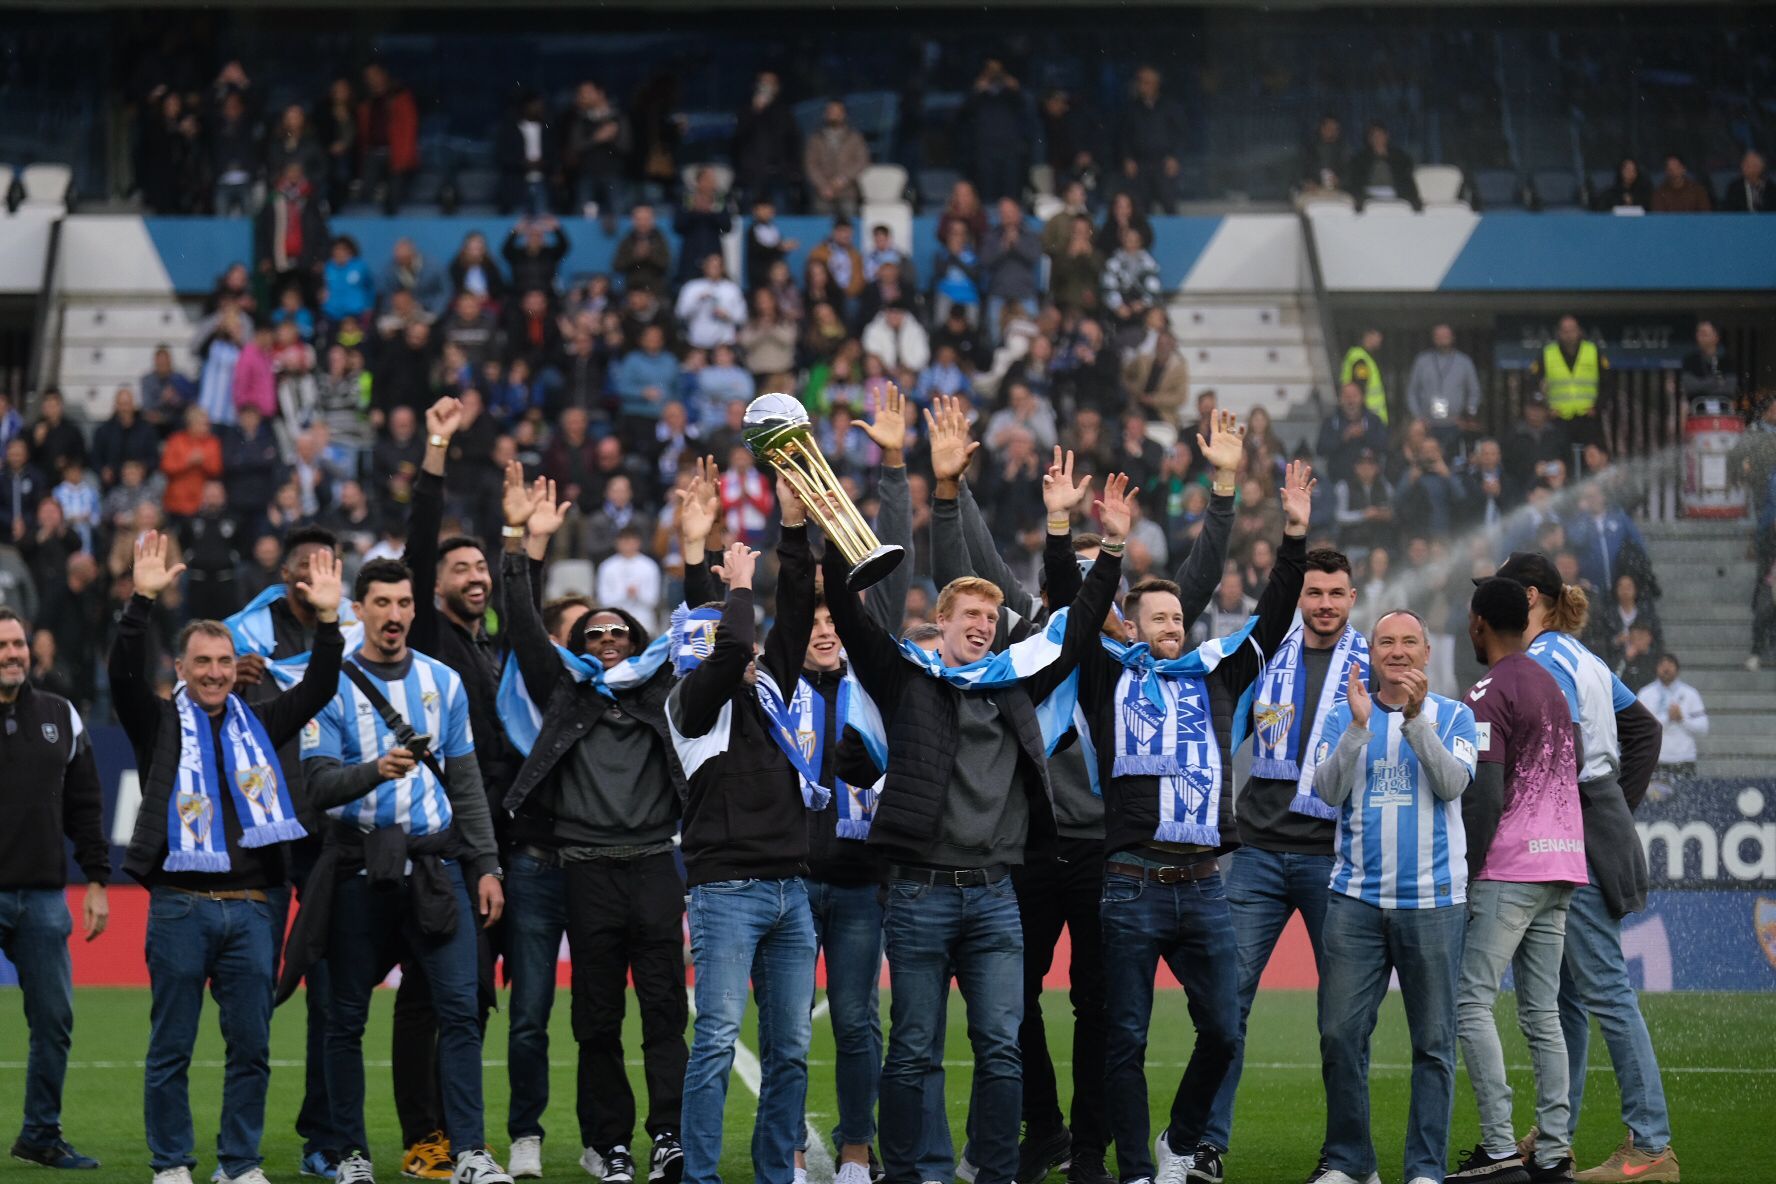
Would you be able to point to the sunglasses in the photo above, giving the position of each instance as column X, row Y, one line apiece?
column 594, row 632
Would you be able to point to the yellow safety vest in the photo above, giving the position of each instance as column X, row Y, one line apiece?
column 1572, row 392
column 1375, row 396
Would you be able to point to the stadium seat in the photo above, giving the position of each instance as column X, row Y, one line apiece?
column 935, row 186
column 1042, row 178
column 883, row 183
column 1438, row 182
column 568, row 577
column 1386, row 207
column 1557, row 188
column 46, row 185
column 724, row 177
column 1325, row 199
column 1498, row 188
column 1047, row 206
column 897, row 216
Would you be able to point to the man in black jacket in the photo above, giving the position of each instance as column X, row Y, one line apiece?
column 1063, row 889
column 966, row 795
column 1381, row 171
column 1162, row 724
column 51, row 789
column 593, row 810
column 767, row 148
column 745, row 845
column 208, row 760
column 452, row 592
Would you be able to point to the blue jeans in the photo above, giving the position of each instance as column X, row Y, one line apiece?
column 366, row 924
column 1594, row 981
column 975, row 933
column 1363, row 943
column 1263, row 888
column 536, row 918
column 226, row 945
column 848, row 927
column 760, row 929
column 1188, row 926
column 34, row 930
column 314, row 1121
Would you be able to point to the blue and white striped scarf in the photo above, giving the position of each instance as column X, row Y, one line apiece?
column 1275, row 705
column 254, row 633
column 523, row 719
column 857, row 711
column 195, row 838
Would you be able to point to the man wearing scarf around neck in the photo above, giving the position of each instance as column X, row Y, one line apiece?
column 745, row 846
column 966, row 795
column 1284, row 862
column 1162, row 724
column 210, row 844
column 593, row 810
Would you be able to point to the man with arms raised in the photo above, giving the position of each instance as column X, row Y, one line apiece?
column 1284, row 862
column 1398, row 886
column 1162, row 724
column 410, row 864
column 966, row 794
column 594, row 809
column 209, row 843
column 51, row 789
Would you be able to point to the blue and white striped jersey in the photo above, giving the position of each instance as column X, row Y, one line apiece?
column 1398, row 846
column 1593, row 694
column 349, row 730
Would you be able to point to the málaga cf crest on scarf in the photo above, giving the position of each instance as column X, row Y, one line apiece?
column 1276, row 705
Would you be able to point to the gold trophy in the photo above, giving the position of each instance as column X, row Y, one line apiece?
column 776, row 431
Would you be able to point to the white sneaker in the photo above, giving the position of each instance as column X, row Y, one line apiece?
column 250, row 1176
column 1173, row 1168
column 852, row 1173
column 178, row 1175
column 1420, row 1180
column 526, row 1159
column 478, row 1167
column 1333, row 1176
column 353, row 1169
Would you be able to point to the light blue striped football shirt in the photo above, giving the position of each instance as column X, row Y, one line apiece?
column 1593, row 694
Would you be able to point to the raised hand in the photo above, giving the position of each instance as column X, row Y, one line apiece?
column 1060, row 495
column 699, row 502
column 1298, row 491
column 951, row 449
column 888, row 428
column 1357, row 695
column 1225, row 447
column 1416, row 686
column 323, row 586
column 151, row 575
column 546, row 513
column 789, row 503
column 737, row 565
column 1116, row 509
column 516, row 501
column 444, row 417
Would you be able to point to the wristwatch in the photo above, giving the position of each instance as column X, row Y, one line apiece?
column 512, row 532
column 436, row 441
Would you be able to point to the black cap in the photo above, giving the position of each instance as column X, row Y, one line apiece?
column 1532, row 570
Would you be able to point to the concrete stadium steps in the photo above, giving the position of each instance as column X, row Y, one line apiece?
column 1253, row 350
column 1706, row 582
column 102, row 344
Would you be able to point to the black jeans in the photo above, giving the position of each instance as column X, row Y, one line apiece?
column 626, row 917
column 1065, row 890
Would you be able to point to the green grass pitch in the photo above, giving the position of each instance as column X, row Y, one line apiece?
column 1718, row 1053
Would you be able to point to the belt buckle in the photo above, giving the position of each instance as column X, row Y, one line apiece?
column 1168, row 875
column 969, row 877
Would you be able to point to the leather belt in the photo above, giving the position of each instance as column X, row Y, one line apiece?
column 950, row 877
column 547, row 856
column 1176, row 874
column 253, row 894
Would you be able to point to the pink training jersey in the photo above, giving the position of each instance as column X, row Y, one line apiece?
column 1521, row 721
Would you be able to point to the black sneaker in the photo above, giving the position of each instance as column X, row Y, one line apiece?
column 1205, row 1165
column 1086, row 1166
column 56, row 1154
column 1039, row 1154
column 1489, row 1169
column 1558, row 1172
column 667, row 1165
